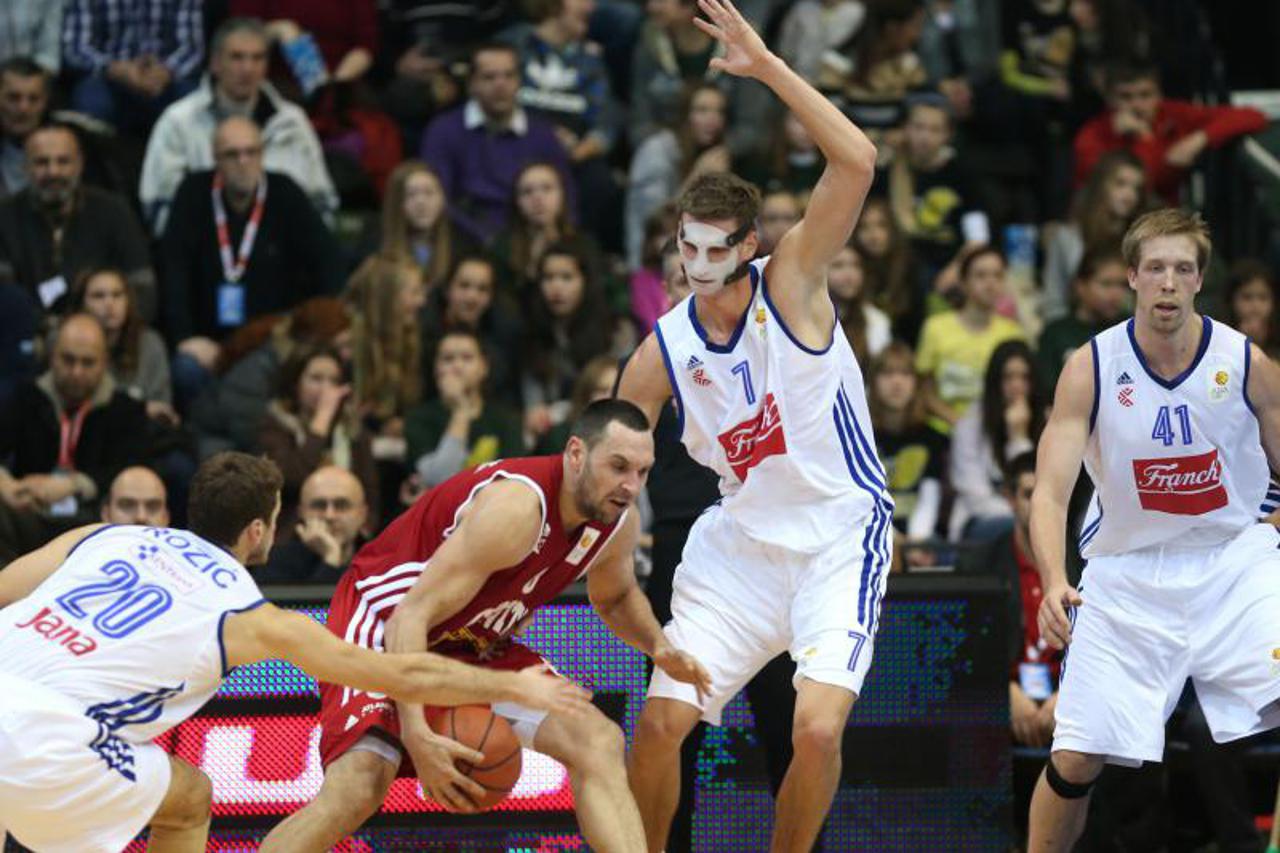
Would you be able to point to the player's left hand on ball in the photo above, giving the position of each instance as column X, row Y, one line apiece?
column 683, row 666
column 542, row 688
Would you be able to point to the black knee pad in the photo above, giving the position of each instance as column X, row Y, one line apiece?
column 1063, row 788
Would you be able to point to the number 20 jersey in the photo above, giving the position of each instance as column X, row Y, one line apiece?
column 1176, row 462
column 786, row 427
column 130, row 626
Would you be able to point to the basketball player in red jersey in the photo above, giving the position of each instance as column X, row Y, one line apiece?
column 459, row 572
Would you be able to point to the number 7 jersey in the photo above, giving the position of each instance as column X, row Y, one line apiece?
column 130, row 626
column 786, row 427
column 1177, row 461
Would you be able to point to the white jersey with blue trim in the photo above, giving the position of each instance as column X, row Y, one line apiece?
column 786, row 427
column 1176, row 462
column 130, row 626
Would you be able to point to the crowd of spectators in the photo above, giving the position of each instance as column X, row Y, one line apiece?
column 383, row 242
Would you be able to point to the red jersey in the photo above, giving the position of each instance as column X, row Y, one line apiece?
column 385, row 569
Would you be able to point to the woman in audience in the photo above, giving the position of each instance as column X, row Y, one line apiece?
column 865, row 325
column 415, row 225
column 139, row 358
column 879, row 65
column 648, row 290
column 468, row 302
column 461, row 426
column 913, row 453
column 1250, row 303
column 889, row 268
column 386, row 296
column 1004, row 424
column 667, row 161
column 569, row 324
column 312, row 422
column 955, row 346
column 539, row 218
column 1114, row 196
column 228, row 415
column 790, row 161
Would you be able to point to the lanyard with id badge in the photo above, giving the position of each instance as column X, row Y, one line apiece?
column 231, row 311
column 69, row 435
column 1033, row 673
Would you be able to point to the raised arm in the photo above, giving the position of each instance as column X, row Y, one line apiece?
column 644, row 379
column 622, row 605
column 269, row 632
column 1263, row 389
column 24, row 574
column 805, row 251
column 1062, row 446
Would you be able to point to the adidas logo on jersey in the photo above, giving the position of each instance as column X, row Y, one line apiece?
column 1124, row 379
column 697, row 372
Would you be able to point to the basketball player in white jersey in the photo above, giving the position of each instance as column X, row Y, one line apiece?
column 1177, row 420
column 110, row 635
column 794, row 557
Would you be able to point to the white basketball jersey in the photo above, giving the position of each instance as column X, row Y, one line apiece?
column 786, row 427
column 130, row 625
column 1173, row 461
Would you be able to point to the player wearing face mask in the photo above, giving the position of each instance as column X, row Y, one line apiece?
column 714, row 263
column 794, row 556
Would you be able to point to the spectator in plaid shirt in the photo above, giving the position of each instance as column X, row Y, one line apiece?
column 132, row 57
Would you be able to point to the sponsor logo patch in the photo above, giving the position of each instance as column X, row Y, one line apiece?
column 755, row 439
column 1180, row 485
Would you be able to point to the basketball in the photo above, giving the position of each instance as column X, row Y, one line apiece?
column 477, row 727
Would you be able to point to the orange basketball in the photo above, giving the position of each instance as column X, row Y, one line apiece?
column 476, row 726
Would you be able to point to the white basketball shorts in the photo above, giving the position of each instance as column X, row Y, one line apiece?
column 65, row 783
column 1155, row 617
column 737, row 603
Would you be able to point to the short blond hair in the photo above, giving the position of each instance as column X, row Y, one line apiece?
column 1166, row 222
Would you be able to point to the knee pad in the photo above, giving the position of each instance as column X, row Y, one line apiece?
column 1063, row 788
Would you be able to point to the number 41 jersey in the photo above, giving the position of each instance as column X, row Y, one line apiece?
column 1176, row 462
column 130, row 625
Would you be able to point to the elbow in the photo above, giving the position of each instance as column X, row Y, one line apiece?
column 858, row 155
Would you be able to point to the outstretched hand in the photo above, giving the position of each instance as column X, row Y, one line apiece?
column 683, row 666
column 746, row 54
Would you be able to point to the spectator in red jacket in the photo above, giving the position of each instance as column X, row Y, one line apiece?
column 1166, row 135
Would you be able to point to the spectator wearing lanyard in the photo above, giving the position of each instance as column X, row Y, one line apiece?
column 66, row 436
column 241, row 242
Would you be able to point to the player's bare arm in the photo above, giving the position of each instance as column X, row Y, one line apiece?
column 496, row 531
column 1061, row 451
column 801, row 258
column 269, row 632
column 1264, row 394
column 644, row 379
column 615, row 595
column 24, row 574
